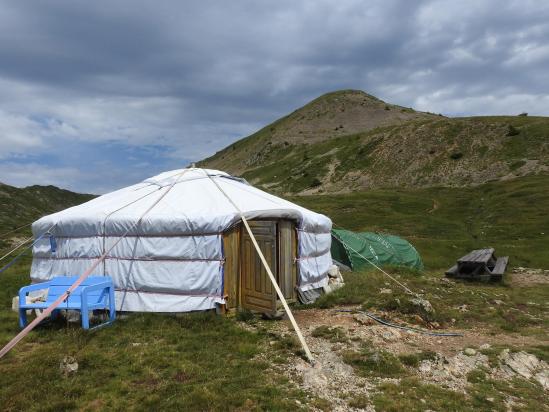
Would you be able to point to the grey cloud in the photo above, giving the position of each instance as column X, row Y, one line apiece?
column 197, row 75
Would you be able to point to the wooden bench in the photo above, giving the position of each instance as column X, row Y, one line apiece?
column 95, row 292
column 480, row 264
column 499, row 268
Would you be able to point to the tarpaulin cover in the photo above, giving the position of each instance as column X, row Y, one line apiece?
column 380, row 249
column 173, row 260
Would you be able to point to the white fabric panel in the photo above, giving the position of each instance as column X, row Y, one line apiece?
column 162, row 302
column 42, row 248
column 180, row 247
column 313, row 270
column 186, row 277
column 45, row 269
column 314, row 244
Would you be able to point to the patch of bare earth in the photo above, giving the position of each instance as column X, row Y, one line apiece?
column 336, row 382
column 529, row 277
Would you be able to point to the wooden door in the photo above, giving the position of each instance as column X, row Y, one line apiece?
column 257, row 292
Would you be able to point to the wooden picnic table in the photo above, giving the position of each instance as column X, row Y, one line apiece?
column 480, row 264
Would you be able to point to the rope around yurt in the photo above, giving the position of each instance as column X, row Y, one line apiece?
column 83, row 277
column 268, row 269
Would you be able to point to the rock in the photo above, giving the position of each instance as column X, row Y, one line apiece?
column 425, row 367
column 334, row 272
column 498, row 302
column 391, row 335
column 385, row 291
column 314, row 377
column 463, row 308
column 363, row 319
column 543, row 378
column 423, row 304
column 418, row 319
column 485, row 346
column 68, row 365
column 470, row 352
column 521, row 363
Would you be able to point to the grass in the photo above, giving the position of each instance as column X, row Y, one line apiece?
column 414, row 359
column 521, row 310
column 196, row 361
column 372, row 362
column 335, row 334
column 446, row 223
column 482, row 395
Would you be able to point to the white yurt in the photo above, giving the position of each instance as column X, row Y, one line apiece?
column 189, row 251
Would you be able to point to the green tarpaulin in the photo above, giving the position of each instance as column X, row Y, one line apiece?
column 380, row 249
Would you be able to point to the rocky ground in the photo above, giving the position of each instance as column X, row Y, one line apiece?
column 449, row 365
column 356, row 358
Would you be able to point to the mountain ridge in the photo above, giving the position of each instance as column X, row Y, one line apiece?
column 378, row 145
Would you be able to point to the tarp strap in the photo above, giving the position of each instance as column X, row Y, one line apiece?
column 81, row 279
column 268, row 270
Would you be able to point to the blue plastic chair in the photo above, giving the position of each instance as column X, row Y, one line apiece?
column 95, row 292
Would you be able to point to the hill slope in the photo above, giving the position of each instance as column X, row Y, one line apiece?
column 21, row 206
column 378, row 145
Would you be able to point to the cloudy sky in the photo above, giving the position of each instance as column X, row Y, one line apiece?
column 95, row 95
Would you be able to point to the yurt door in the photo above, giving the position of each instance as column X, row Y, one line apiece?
column 257, row 292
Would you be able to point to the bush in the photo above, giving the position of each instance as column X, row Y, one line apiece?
column 316, row 182
column 512, row 131
column 456, row 155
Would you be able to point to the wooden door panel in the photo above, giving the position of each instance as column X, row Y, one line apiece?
column 257, row 291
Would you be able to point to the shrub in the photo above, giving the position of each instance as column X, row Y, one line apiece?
column 512, row 131
column 316, row 182
column 456, row 155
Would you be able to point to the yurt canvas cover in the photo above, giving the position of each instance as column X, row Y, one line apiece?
column 173, row 260
column 380, row 249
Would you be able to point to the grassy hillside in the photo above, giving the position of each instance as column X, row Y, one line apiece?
column 332, row 115
column 445, row 223
column 21, row 206
column 416, row 150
